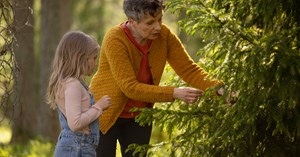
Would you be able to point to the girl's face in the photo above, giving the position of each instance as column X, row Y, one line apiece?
column 149, row 27
column 91, row 63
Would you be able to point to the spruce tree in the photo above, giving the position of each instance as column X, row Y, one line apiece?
column 253, row 47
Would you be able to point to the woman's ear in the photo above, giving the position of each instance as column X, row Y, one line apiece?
column 130, row 21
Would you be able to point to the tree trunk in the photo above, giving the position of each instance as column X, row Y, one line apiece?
column 56, row 20
column 24, row 121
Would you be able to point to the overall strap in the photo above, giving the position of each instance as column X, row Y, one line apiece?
column 87, row 89
column 62, row 120
column 94, row 126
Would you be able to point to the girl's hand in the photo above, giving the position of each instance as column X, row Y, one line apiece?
column 104, row 102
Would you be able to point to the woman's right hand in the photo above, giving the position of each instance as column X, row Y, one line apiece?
column 187, row 94
column 104, row 102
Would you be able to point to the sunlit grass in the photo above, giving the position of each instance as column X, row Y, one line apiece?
column 34, row 148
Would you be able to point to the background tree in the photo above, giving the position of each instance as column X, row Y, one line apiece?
column 56, row 20
column 24, row 121
column 253, row 46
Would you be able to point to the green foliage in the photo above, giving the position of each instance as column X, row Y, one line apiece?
column 253, row 46
column 91, row 12
column 96, row 16
column 35, row 148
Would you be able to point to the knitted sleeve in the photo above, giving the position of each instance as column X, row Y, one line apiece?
column 184, row 66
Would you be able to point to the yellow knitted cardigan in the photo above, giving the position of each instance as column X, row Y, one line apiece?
column 119, row 65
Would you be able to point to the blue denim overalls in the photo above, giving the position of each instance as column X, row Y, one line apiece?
column 76, row 144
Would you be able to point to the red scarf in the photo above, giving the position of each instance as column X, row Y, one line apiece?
column 144, row 75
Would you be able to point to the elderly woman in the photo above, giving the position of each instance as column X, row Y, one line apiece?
column 132, row 59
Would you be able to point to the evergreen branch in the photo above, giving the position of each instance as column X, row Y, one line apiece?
column 223, row 23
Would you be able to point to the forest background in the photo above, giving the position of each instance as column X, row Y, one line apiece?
column 253, row 46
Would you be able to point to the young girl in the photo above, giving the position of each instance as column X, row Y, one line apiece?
column 75, row 58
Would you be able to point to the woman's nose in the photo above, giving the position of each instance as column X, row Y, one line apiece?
column 157, row 26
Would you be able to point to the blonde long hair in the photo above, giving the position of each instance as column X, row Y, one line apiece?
column 70, row 60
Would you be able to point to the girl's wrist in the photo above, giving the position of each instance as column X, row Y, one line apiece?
column 99, row 109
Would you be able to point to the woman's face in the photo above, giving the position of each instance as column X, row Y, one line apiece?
column 149, row 27
column 91, row 63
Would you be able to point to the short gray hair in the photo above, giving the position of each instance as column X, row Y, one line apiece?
column 136, row 9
